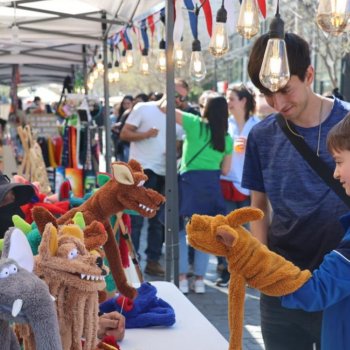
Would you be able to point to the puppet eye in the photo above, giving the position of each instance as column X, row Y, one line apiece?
column 73, row 254
column 12, row 269
column 141, row 183
column 4, row 273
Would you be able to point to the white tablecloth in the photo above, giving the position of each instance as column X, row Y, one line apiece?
column 192, row 331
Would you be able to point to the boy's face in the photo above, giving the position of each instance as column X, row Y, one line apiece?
column 342, row 168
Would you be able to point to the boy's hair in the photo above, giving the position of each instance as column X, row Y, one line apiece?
column 338, row 138
column 298, row 52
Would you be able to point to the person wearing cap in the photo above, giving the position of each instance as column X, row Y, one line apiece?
column 12, row 196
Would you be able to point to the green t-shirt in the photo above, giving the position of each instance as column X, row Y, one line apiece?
column 197, row 135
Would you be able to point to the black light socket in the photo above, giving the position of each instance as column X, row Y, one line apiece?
column 129, row 46
column 221, row 15
column 110, row 65
column 162, row 44
column 124, row 53
column 144, row 52
column 277, row 28
column 116, row 63
column 196, row 45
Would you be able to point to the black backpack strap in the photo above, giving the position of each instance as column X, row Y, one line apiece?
column 315, row 162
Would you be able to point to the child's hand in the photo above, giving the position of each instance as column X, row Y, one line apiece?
column 111, row 324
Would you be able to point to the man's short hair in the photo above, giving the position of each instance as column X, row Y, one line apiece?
column 338, row 138
column 183, row 83
column 298, row 52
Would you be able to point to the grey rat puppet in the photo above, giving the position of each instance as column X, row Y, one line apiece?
column 24, row 297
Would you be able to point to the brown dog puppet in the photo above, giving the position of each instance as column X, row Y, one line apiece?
column 124, row 191
column 249, row 261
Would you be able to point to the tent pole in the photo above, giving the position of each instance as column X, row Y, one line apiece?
column 171, row 191
column 107, row 123
column 85, row 77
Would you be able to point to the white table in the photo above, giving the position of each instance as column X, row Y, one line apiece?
column 192, row 331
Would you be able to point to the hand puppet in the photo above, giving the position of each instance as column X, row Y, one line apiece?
column 24, row 297
column 146, row 310
column 124, row 191
column 249, row 261
column 74, row 276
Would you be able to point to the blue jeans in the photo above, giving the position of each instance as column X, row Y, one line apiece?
column 155, row 234
column 201, row 260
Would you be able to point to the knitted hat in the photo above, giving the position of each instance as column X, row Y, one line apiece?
column 146, row 310
column 23, row 193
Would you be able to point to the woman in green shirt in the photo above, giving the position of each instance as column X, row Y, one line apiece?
column 206, row 155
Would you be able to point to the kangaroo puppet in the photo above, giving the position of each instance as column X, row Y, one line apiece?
column 124, row 190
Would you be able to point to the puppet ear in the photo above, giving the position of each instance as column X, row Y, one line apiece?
column 41, row 217
column 122, row 173
column 49, row 242
column 244, row 215
column 16, row 247
column 226, row 235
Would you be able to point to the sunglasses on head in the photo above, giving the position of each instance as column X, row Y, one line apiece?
column 180, row 97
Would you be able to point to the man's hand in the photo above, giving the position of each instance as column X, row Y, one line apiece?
column 112, row 324
column 153, row 132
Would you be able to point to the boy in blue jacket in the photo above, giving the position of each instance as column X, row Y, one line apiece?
column 329, row 287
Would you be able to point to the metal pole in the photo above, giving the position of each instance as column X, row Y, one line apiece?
column 171, row 191
column 107, row 123
column 85, row 70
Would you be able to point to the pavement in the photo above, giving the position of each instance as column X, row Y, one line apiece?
column 213, row 304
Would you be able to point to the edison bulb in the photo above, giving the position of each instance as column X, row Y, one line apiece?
column 179, row 55
column 144, row 65
column 274, row 73
column 197, row 66
column 129, row 56
column 219, row 43
column 248, row 21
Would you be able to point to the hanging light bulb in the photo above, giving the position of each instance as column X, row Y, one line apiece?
column 95, row 74
column 144, row 64
column 332, row 16
column 274, row 73
column 248, row 21
column 161, row 58
column 197, row 65
column 179, row 55
column 129, row 56
column 123, row 63
column 219, row 43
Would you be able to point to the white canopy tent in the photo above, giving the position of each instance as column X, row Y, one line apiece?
column 48, row 37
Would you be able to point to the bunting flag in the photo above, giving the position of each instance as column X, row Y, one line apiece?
column 144, row 34
column 127, row 38
column 262, row 6
column 151, row 25
column 208, row 15
column 122, row 37
column 137, row 32
column 193, row 18
column 179, row 22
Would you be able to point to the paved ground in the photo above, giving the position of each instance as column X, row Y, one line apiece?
column 213, row 304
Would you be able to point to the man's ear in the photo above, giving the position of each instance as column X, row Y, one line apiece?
column 122, row 173
column 309, row 75
column 16, row 247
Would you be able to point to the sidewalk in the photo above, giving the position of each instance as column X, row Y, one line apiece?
column 213, row 304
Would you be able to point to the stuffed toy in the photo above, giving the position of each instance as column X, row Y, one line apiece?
column 146, row 310
column 25, row 298
column 249, row 261
column 50, row 202
column 74, row 276
column 124, row 191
